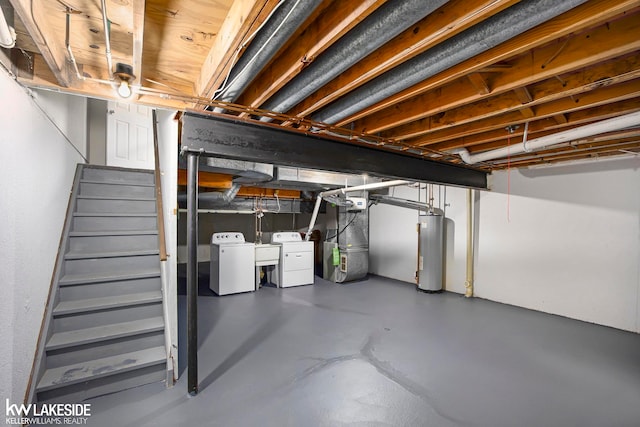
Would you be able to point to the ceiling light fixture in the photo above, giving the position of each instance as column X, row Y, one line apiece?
column 124, row 73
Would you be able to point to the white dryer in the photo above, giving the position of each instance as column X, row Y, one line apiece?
column 296, row 260
column 232, row 267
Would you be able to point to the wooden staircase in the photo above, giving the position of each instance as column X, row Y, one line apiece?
column 105, row 327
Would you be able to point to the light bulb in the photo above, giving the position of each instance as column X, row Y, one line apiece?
column 124, row 90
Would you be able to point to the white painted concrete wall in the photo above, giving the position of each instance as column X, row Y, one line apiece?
column 571, row 244
column 37, row 176
column 68, row 113
column 167, row 145
column 393, row 238
column 97, row 123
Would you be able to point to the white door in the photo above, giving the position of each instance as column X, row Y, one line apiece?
column 129, row 136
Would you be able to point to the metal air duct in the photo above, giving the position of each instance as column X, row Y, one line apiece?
column 284, row 21
column 499, row 28
column 243, row 172
column 377, row 29
column 215, row 196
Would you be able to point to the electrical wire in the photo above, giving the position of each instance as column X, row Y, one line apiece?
column 44, row 112
column 219, row 91
column 508, row 179
column 223, row 86
column 344, row 228
column 355, row 214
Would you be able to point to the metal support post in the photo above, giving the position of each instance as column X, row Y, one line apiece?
column 192, row 273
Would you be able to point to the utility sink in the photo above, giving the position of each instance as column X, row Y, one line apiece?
column 267, row 254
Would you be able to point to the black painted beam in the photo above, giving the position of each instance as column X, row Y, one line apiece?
column 227, row 137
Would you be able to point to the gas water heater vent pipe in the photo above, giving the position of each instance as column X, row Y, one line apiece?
column 372, row 186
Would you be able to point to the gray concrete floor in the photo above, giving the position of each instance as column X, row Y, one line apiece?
column 377, row 353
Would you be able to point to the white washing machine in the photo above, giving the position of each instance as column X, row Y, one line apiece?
column 232, row 264
column 296, row 260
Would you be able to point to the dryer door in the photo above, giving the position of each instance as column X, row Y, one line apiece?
column 297, row 268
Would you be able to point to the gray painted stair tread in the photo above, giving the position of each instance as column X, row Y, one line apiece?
column 110, row 237
column 133, row 184
column 78, row 279
column 91, row 255
column 144, row 199
column 111, row 233
column 99, row 368
column 102, row 333
column 103, row 303
column 115, row 214
column 117, row 169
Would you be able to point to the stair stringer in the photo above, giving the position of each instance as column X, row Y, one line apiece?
column 44, row 335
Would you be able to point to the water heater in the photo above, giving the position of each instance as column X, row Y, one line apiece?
column 430, row 252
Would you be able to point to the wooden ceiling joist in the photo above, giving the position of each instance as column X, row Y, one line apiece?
column 497, row 138
column 527, row 112
column 334, row 22
column 244, row 18
column 269, row 193
column 607, row 95
column 138, row 39
column 45, row 36
column 580, row 151
column 452, row 18
column 587, row 15
column 601, row 44
column 207, row 179
column 576, row 85
column 624, row 137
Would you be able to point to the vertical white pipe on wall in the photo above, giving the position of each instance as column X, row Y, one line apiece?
column 468, row 285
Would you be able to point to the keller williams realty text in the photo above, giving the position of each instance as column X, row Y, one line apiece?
column 47, row 413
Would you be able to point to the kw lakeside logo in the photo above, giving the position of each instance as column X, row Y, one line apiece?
column 47, row 413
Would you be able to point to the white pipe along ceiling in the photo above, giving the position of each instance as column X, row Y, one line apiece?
column 7, row 33
column 609, row 125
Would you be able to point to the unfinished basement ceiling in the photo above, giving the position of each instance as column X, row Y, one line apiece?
column 425, row 77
